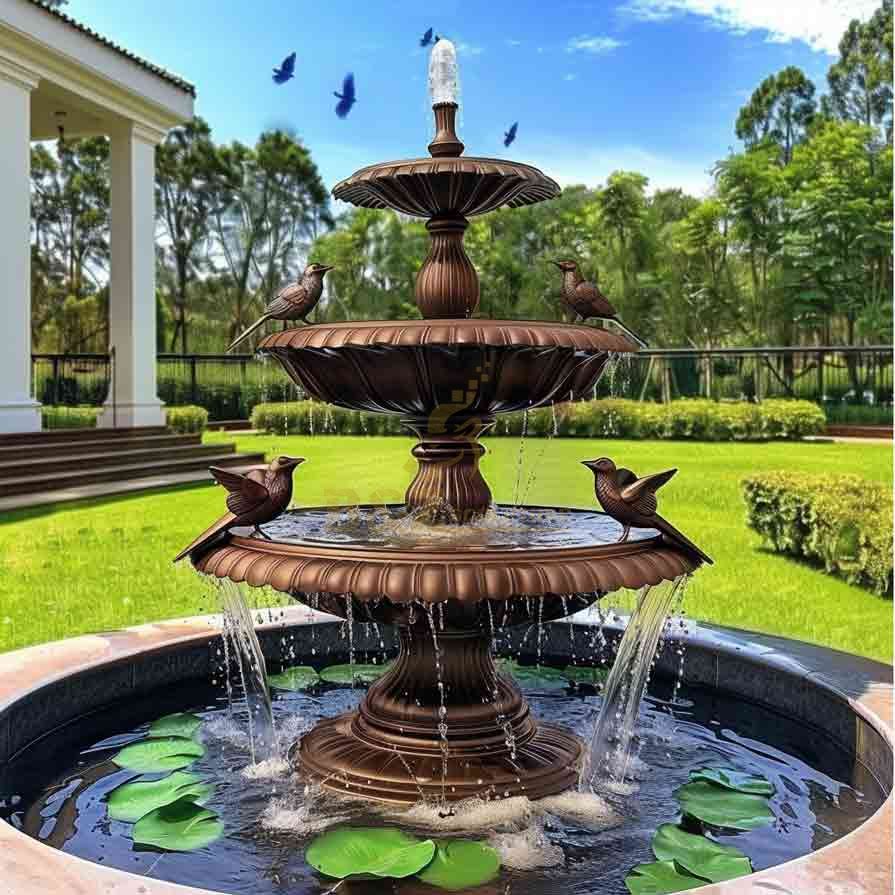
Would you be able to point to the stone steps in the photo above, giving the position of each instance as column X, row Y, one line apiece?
column 46, row 467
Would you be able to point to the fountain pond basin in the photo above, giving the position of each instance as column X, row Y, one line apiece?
column 810, row 721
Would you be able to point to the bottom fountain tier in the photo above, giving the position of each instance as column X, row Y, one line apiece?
column 442, row 725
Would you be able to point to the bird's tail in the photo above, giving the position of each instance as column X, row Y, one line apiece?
column 207, row 536
column 259, row 322
column 628, row 332
column 679, row 539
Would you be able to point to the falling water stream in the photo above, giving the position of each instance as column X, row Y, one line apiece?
column 610, row 749
column 242, row 646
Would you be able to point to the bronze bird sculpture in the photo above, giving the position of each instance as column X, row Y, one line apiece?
column 294, row 302
column 257, row 497
column 632, row 502
column 585, row 299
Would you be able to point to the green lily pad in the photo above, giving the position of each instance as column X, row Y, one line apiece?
column 159, row 754
column 699, row 855
column 301, row 677
column 721, row 807
column 735, row 780
column 180, row 826
column 582, row 674
column 461, row 864
column 131, row 801
column 350, row 674
column 369, row 852
column 183, row 724
column 660, row 878
column 533, row 675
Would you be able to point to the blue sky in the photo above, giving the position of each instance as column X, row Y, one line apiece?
column 647, row 85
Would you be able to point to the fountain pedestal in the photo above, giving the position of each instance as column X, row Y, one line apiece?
column 441, row 724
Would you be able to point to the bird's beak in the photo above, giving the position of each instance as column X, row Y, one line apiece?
column 588, row 463
column 326, row 267
column 554, row 262
column 296, row 461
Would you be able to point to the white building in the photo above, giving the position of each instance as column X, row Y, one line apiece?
column 51, row 64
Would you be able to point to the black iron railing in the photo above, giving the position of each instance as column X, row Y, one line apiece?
column 853, row 383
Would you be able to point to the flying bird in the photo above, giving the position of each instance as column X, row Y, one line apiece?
column 286, row 71
column 632, row 502
column 585, row 299
column 257, row 497
column 510, row 135
column 294, row 302
column 426, row 39
column 346, row 97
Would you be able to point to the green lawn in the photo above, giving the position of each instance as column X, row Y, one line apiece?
column 103, row 564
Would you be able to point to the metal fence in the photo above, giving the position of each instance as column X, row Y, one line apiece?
column 853, row 384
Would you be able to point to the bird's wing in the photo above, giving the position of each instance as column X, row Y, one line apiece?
column 348, row 87
column 246, row 491
column 640, row 495
column 343, row 107
column 285, row 300
column 624, row 477
column 513, row 128
column 289, row 63
column 591, row 293
column 424, row 42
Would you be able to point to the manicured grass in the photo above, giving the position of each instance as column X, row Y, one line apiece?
column 104, row 564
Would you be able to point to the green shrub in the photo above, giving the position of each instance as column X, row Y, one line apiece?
column 688, row 418
column 187, row 419
column 843, row 522
column 62, row 417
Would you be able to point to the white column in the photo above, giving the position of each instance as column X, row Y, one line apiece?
column 132, row 398
column 19, row 412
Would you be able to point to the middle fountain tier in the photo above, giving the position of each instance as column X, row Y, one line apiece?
column 448, row 567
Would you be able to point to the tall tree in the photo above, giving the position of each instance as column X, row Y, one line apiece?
column 278, row 207
column 840, row 241
column 622, row 205
column 192, row 185
column 70, row 225
column 861, row 79
column 780, row 110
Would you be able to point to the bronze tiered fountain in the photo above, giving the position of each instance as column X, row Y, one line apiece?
column 442, row 722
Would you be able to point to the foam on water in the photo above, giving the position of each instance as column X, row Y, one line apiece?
column 530, row 849
column 269, row 769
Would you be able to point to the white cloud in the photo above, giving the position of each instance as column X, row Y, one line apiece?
column 591, row 167
column 569, row 77
column 817, row 23
column 464, row 49
column 588, row 44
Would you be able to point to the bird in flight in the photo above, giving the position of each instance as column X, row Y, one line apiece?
column 286, row 71
column 632, row 502
column 294, row 302
column 346, row 97
column 257, row 497
column 510, row 135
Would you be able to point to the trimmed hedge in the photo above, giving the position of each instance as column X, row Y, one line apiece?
column 183, row 420
column 62, row 417
column 843, row 522
column 700, row 420
column 187, row 419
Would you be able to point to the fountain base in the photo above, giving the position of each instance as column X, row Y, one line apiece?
column 442, row 724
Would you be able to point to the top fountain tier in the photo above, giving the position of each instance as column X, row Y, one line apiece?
column 442, row 186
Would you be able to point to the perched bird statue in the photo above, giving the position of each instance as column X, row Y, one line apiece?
column 585, row 299
column 632, row 502
column 510, row 135
column 346, row 98
column 257, row 497
column 294, row 302
column 286, row 71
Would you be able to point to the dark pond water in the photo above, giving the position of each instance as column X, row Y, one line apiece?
column 56, row 793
